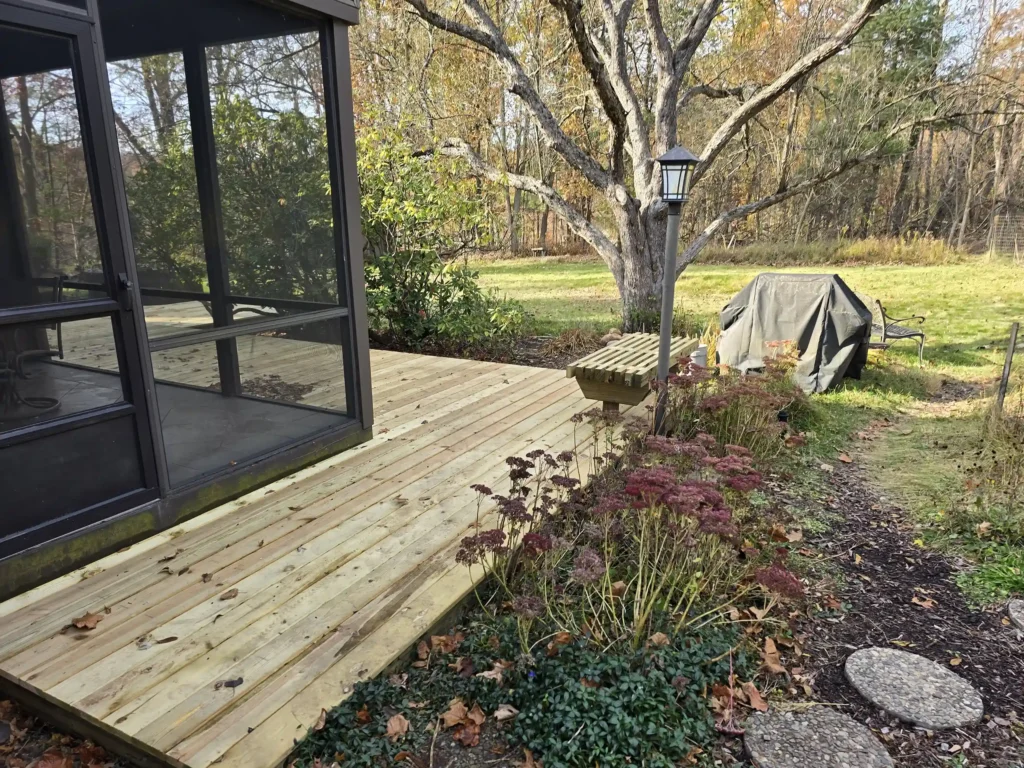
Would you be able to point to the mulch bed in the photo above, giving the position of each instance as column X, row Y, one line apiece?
column 883, row 572
column 28, row 742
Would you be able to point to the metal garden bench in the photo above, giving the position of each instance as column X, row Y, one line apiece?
column 622, row 372
column 888, row 329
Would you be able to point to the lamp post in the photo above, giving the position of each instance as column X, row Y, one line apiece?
column 676, row 171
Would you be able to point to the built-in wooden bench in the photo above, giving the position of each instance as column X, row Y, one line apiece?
column 622, row 372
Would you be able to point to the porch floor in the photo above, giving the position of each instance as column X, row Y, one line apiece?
column 338, row 569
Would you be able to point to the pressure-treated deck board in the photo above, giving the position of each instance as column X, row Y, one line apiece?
column 339, row 567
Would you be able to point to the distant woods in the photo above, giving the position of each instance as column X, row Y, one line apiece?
column 922, row 115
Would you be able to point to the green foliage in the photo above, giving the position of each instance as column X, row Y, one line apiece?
column 577, row 705
column 649, row 704
column 415, row 209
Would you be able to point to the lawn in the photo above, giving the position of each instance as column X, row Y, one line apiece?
column 969, row 307
column 939, row 408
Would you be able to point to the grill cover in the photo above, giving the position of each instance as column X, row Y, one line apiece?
column 819, row 313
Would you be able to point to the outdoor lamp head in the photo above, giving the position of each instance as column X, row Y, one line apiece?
column 676, row 171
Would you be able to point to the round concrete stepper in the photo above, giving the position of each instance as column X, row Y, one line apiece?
column 1015, row 610
column 914, row 688
column 817, row 737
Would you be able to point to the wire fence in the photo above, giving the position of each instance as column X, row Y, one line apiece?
column 1007, row 237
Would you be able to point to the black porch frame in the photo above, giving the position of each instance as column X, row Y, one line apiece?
column 38, row 555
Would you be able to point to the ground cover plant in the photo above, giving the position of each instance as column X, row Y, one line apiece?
column 606, row 633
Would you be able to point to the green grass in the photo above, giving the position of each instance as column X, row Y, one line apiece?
column 968, row 310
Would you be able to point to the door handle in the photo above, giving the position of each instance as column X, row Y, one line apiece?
column 124, row 292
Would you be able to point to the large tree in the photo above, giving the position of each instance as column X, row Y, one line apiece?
column 641, row 108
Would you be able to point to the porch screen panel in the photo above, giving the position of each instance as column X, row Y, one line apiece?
column 271, row 146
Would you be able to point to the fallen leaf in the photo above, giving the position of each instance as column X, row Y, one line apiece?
column 770, row 658
column 758, row 613
column 207, row 577
column 423, row 650
column 754, row 697
column 467, row 734
column 857, row 559
column 659, row 640
column 845, row 458
column 53, row 758
column 231, row 594
column 168, row 558
column 476, row 715
column 529, row 762
column 363, row 716
column 779, row 533
column 925, row 602
column 233, row 683
column 320, row 721
column 399, row 681
column 983, row 529
column 90, row 754
column 497, row 672
column 170, row 639
column 588, row 683
column 505, row 712
column 618, row 589
column 827, row 468
column 88, row 621
column 456, row 713
column 955, row 661
column 794, row 536
column 398, row 726
column 902, row 643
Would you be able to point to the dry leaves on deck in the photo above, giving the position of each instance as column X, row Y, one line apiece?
column 88, row 621
column 231, row 594
column 320, row 721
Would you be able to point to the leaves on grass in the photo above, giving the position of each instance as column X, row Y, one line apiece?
column 398, row 726
column 770, row 658
column 983, row 529
column 845, row 458
column 231, row 594
column 88, row 621
column 320, row 721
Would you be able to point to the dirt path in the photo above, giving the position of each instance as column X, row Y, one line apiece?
column 896, row 594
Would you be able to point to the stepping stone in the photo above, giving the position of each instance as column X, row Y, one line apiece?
column 1015, row 610
column 914, row 688
column 817, row 737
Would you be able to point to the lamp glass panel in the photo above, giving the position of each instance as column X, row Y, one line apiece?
column 672, row 182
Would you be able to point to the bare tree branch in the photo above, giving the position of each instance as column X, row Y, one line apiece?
column 710, row 92
column 585, row 229
column 487, row 35
column 763, row 98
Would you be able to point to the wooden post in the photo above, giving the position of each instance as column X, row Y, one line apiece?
column 1005, row 380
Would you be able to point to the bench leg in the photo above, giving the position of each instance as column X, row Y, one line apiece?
column 920, row 351
column 609, row 407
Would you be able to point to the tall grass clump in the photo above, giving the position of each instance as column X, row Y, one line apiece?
column 917, row 251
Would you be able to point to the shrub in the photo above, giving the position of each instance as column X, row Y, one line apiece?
column 751, row 410
column 417, row 214
column 655, row 546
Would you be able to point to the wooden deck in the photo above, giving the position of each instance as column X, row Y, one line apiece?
column 338, row 570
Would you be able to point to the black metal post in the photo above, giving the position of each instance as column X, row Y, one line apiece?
column 667, row 310
column 197, row 83
column 1004, row 380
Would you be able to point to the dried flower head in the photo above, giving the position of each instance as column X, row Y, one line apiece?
column 588, row 566
column 779, row 579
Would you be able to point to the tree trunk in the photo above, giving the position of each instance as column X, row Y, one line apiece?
column 901, row 202
column 28, row 158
